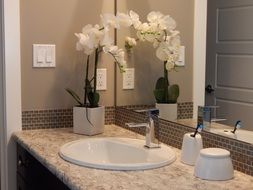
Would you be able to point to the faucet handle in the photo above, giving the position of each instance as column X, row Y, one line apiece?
column 217, row 119
column 149, row 112
column 153, row 112
column 136, row 125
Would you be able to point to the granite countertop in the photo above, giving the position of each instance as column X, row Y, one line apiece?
column 44, row 145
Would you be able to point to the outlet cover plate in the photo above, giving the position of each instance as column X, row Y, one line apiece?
column 101, row 79
column 181, row 59
column 128, row 79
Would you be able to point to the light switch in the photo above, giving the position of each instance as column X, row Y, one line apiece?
column 43, row 55
column 181, row 59
column 49, row 58
column 128, row 79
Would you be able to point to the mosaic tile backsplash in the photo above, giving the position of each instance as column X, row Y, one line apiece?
column 42, row 119
column 172, row 134
column 184, row 109
column 61, row 118
column 56, row 118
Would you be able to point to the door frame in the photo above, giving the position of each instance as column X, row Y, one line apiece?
column 2, row 105
column 199, row 54
column 11, row 75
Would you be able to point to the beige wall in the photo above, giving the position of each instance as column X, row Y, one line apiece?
column 147, row 67
column 55, row 22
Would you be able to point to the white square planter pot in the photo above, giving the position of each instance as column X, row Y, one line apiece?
column 96, row 116
column 167, row 111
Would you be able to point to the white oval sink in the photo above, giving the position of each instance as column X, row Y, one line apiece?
column 116, row 154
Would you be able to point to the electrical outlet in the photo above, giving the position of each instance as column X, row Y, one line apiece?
column 181, row 59
column 101, row 79
column 128, row 79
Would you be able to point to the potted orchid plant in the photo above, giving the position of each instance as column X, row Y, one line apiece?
column 88, row 115
column 160, row 30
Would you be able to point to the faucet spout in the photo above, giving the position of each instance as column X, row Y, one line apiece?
column 136, row 125
column 150, row 131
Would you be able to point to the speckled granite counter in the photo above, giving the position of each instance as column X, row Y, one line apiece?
column 44, row 145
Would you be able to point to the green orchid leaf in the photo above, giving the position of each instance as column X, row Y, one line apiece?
column 93, row 99
column 75, row 96
column 160, row 83
column 173, row 93
column 159, row 95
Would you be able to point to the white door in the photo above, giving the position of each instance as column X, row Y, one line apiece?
column 229, row 69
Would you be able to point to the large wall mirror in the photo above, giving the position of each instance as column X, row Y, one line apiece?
column 228, row 65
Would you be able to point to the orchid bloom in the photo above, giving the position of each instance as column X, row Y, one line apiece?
column 118, row 55
column 159, row 30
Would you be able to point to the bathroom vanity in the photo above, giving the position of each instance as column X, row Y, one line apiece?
column 31, row 174
column 42, row 147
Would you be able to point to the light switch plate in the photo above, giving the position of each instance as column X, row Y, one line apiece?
column 128, row 79
column 181, row 60
column 43, row 55
column 101, row 79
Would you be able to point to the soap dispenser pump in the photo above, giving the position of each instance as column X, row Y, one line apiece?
column 192, row 144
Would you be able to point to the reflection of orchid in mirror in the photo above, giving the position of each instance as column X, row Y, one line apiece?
column 160, row 30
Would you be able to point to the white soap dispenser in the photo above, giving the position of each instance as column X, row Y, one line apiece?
column 192, row 144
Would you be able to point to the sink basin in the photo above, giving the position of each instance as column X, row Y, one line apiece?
column 116, row 154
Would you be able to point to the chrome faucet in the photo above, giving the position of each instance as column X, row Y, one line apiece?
column 205, row 116
column 150, row 128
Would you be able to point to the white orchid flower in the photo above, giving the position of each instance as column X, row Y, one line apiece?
column 155, row 17
column 95, row 36
column 83, row 43
column 106, row 39
column 109, row 20
column 174, row 33
column 110, row 49
column 175, row 41
column 162, row 52
column 170, row 66
column 163, row 22
column 144, row 27
column 135, row 19
column 167, row 23
column 156, row 43
column 130, row 41
column 89, row 39
column 149, row 32
column 167, row 52
column 86, row 29
column 124, row 20
column 118, row 54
